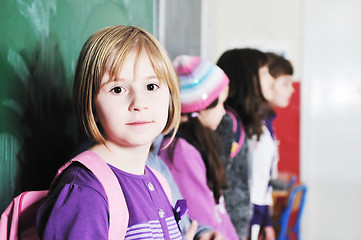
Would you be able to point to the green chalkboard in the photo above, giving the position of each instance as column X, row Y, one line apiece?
column 39, row 44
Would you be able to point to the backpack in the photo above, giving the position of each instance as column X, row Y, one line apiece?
column 238, row 132
column 18, row 221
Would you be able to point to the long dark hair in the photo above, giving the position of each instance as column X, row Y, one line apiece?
column 207, row 142
column 245, row 95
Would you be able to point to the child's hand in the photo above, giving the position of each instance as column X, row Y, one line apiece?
column 189, row 235
column 212, row 235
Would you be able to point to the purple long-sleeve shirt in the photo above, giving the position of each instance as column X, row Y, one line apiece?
column 78, row 209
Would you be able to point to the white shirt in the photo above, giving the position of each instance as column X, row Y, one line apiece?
column 263, row 155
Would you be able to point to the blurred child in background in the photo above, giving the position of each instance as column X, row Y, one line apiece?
column 193, row 157
column 200, row 231
column 250, row 87
column 232, row 132
column 282, row 72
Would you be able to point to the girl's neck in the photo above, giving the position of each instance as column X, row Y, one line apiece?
column 128, row 159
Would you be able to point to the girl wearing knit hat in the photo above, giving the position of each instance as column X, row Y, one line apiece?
column 250, row 87
column 193, row 157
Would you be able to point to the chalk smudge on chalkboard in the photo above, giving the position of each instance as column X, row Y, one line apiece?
column 20, row 66
column 38, row 12
column 8, row 152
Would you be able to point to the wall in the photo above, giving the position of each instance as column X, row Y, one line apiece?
column 331, row 112
column 180, row 31
column 323, row 38
column 272, row 25
column 39, row 45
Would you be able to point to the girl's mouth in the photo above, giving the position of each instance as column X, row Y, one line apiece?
column 139, row 123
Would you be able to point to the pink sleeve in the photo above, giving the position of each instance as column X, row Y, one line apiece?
column 189, row 172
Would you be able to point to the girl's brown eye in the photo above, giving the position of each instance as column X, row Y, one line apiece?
column 152, row 87
column 117, row 90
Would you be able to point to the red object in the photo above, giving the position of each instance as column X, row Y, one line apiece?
column 287, row 130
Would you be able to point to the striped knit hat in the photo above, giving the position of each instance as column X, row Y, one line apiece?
column 201, row 82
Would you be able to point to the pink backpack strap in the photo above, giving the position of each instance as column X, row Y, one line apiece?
column 118, row 213
column 13, row 224
column 164, row 183
column 237, row 130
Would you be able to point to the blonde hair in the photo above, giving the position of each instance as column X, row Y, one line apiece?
column 114, row 44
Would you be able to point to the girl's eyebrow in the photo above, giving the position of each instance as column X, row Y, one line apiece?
column 151, row 77
column 111, row 80
column 145, row 78
column 122, row 79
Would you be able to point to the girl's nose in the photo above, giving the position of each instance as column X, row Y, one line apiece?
column 138, row 102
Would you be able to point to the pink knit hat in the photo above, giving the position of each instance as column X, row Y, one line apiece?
column 201, row 82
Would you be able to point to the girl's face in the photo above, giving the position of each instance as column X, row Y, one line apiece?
column 132, row 109
column 283, row 90
column 266, row 81
column 212, row 117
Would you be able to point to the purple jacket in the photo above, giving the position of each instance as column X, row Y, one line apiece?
column 189, row 172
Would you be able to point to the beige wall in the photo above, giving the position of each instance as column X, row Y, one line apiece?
column 264, row 24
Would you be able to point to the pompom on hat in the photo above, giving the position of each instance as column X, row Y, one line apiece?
column 201, row 82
